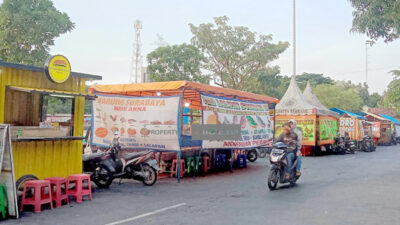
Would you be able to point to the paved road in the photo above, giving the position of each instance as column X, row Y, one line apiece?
column 349, row 189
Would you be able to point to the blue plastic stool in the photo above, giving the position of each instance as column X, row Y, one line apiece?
column 220, row 161
column 241, row 160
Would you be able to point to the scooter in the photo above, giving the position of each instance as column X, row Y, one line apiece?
column 367, row 144
column 278, row 167
column 120, row 164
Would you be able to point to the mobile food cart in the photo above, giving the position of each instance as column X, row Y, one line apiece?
column 160, row 116
column 42, row 149
column 319, row 126
column 384, row 125
column 355, row 125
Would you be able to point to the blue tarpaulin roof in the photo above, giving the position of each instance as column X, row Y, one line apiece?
column 342, row 111
column 390, row 118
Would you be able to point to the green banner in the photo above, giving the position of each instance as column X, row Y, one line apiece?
column 328, row 129
column 305, row 125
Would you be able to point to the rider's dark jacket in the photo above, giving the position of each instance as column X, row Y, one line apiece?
column 289, row 139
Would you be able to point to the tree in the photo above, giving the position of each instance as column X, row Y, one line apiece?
column 270, row 83
column 314, row 79
column 373, row 100
column 177, row 62
column 392, row 95
column 377, row 18
column 28, row 29
column 234, row 55
column 338, row 97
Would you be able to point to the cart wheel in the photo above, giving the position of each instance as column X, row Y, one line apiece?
column 20, row 185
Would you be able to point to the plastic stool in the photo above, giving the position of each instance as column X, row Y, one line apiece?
column 174, row 168
column 58, row 190
column 3, row 201
column 190, row 165
column 206, row 163
column 198, row 164
column 241, row 160
column 78, row 192
column 40, row 197
column 220, row 161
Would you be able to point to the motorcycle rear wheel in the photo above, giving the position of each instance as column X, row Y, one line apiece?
column 262, row 153
column 151, row 179
column 273, row 179
column 252, row 155
column 103, row 178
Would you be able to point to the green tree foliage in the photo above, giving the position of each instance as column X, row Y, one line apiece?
column 234, row 55
column 28, row 29
column 377, row 18
column 339, row 97
column 362, row 91
column 392, row 96
column 314, row 79
column 177, row 62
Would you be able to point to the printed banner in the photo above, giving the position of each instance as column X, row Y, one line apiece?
column 142, row 122
column 328, row 129
column 304, row 123
column 351, row 125
column 254, row 118
column 397, row 129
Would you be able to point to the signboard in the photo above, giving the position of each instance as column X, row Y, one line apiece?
column 254, row 119
column 351, row 125
column 142, row 122
column 376, row 129
column 57, row 68
column 397, row 129
column 305, row 123
column 7, row 177
column 328, row 129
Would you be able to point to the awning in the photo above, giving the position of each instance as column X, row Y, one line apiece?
column 190, row 90
column 56, row 93
column 342, row 111
column 375, row 116
column 393, row 120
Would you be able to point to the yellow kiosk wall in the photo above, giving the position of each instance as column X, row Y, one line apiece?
column 45, row 158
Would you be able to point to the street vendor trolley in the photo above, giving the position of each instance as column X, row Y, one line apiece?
column 42, row 149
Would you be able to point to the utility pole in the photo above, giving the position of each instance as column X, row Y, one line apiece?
column 366, row 62
column 294, row 37
column 137, row 57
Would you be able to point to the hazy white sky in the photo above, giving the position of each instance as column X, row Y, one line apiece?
column 102, row 42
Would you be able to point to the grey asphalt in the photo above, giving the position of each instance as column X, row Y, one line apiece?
column 339, row 189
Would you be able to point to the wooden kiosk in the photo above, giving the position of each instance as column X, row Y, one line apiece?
column 41, row 149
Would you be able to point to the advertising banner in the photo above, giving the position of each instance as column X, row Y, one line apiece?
column 397, row 129
column 351, row 125
column 305, row 123
column 254, row 118
column 328, row 129
column 142, row 122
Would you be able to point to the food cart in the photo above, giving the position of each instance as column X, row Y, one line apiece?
column 42, row 149
column 355, row 125
column 318, row 124
column 160, row 116
column 385, row 127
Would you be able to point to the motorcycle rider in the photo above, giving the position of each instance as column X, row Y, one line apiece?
column 296, row 130
column 290, row 139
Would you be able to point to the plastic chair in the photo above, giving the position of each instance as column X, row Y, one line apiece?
column 206, row 163
column 58, row 190
column 79, row 191
column 190, row 165
column 174, row 168
column 3, row 201
column 40, row 196
column 241, row 160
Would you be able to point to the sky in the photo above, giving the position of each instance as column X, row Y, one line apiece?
column 103, row 38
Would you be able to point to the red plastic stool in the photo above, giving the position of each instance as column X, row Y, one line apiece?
column 58, row 190
column 79, row 191
column 207, row 163
column 174, row 168
column 40, row 197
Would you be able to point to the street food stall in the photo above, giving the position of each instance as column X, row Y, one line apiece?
column 318, row 125
column 385, row 128
column 160, row 116
column 40, row 148
column 355, row 125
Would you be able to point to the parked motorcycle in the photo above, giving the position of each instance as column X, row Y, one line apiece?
column 367, row 144
column 278, row 167
column 252, row 155
column 114, row 163
column 343, row 146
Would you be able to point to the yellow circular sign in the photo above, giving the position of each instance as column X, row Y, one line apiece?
column 58, row 68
